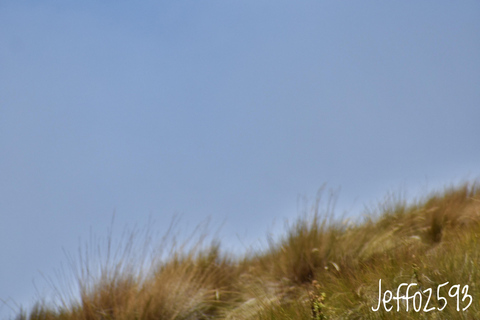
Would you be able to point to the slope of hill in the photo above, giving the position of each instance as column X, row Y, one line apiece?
column 404, row 261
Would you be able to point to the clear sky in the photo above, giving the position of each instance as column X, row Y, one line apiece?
column 228, row 109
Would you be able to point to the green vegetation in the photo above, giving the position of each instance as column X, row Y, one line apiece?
column 322, row 268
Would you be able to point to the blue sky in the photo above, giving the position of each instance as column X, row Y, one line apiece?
column 223, row 109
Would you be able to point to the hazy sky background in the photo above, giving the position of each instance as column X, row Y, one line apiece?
column 228, row 109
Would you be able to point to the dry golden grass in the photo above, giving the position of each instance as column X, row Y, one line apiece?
column 320, row 269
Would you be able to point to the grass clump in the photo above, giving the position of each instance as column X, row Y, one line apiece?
column 320, row 269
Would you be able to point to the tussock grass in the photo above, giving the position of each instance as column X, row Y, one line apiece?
column 322, row 268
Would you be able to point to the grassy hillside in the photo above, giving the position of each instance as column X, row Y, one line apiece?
column 321, row 268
